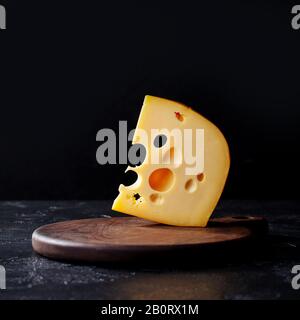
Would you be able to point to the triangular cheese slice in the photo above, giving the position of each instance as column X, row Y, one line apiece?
column 164, row 192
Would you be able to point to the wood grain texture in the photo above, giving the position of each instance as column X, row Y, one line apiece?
column 127, row 239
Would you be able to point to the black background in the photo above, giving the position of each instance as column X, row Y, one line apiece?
column 68, row 69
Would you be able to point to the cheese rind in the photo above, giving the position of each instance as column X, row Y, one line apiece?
column 166, row 194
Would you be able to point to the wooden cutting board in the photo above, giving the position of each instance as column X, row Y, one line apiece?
column 132, row 239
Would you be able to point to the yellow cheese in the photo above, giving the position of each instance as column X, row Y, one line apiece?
column 165, row 192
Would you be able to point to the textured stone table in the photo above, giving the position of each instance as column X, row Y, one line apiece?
column 265, row 274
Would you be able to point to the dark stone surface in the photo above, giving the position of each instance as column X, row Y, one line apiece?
column 263, row 273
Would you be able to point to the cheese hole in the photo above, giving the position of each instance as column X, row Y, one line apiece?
column 200, row 177
column 179, row 116
column 130, row 178
column 156, row 198
column 160, row 141
column 190, row 186
column 136, row 196
column 161, row 179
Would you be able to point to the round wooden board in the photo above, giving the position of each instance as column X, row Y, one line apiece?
column 128, row 239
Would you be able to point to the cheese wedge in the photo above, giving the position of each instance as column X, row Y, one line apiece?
column 165, row 190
